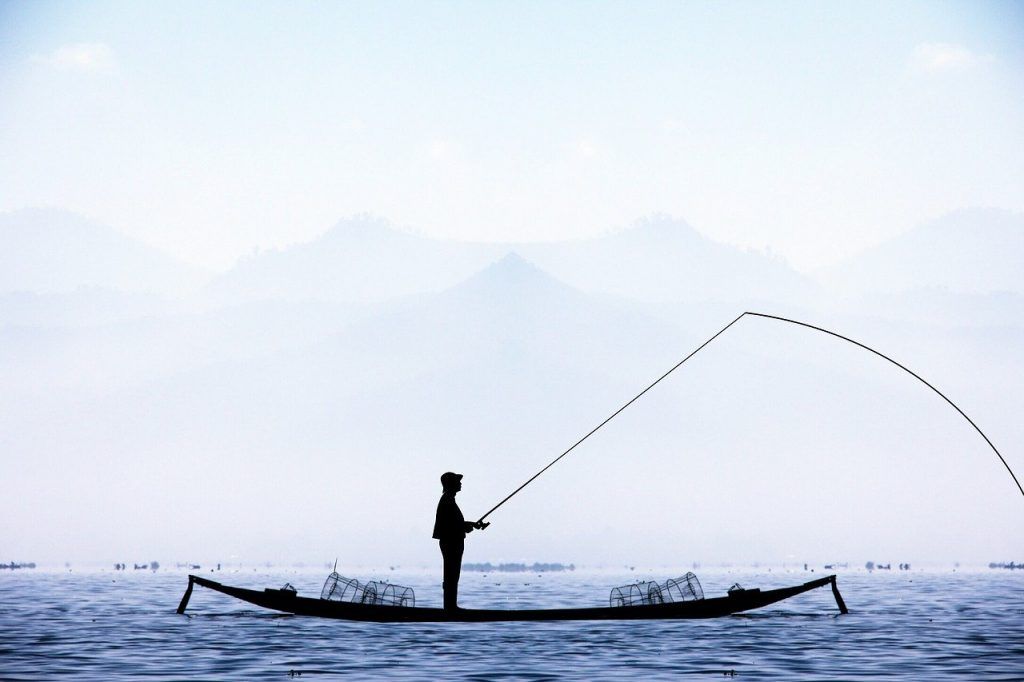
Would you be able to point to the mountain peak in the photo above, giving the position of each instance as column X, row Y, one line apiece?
column 362, row 229
column 514, row 263
column 512, row 275
column 664, row 226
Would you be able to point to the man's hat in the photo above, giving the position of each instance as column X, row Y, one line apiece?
column 448, row 478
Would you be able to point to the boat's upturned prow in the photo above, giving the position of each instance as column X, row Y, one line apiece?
column 288, row 601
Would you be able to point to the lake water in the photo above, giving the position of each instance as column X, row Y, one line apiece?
column 923, row 625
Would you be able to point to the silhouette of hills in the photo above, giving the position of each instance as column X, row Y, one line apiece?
column 971, row 251
column 663, row 259
column 49, row 250
column 359, row 259
column 366, row 259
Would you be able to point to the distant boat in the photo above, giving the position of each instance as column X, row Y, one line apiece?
column 288, row 601
column 13, row 566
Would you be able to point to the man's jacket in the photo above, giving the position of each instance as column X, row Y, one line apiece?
column 450, row 524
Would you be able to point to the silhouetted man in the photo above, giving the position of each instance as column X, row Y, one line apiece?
column 450, row 529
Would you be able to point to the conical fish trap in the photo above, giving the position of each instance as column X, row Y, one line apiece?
column 682, row 589
column 340, row 588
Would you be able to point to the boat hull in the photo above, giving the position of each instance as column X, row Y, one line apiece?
column 289, row 602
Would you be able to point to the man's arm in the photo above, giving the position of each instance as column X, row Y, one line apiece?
column 469, row 526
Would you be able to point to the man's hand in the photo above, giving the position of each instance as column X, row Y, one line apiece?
column 480, row 525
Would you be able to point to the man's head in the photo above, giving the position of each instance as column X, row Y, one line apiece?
column 452, row 483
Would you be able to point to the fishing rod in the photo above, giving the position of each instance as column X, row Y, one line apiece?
column 719, row 333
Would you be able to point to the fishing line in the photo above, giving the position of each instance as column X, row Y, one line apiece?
column 614, row 414
column 719, row 333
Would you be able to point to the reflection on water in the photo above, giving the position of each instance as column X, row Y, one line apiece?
column 118, row 626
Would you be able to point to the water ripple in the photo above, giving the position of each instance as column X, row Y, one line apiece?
column 92, row 626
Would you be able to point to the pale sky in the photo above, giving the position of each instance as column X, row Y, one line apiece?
column 814, row 129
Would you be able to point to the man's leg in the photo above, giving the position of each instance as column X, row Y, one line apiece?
column 457, row 572
column 451, row 551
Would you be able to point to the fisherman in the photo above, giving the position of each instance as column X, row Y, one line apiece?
column 450, row 529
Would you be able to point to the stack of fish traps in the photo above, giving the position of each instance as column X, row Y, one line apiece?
column 673, row 590
column 340, row 588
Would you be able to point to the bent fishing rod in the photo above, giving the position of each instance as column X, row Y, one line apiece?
column 719, row 333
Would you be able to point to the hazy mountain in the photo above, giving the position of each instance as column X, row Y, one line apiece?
column 359, row 259
column 662, row 259
column 494, row 319
column 970, row 250
column 46, row 250
column 365, row 259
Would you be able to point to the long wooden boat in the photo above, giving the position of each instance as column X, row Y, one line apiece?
column 288, row 601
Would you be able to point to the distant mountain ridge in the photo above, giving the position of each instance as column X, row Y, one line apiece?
column 365, row 259
column 362, row 258
column 971, row 250
column 55, row 251
column 665, row 259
